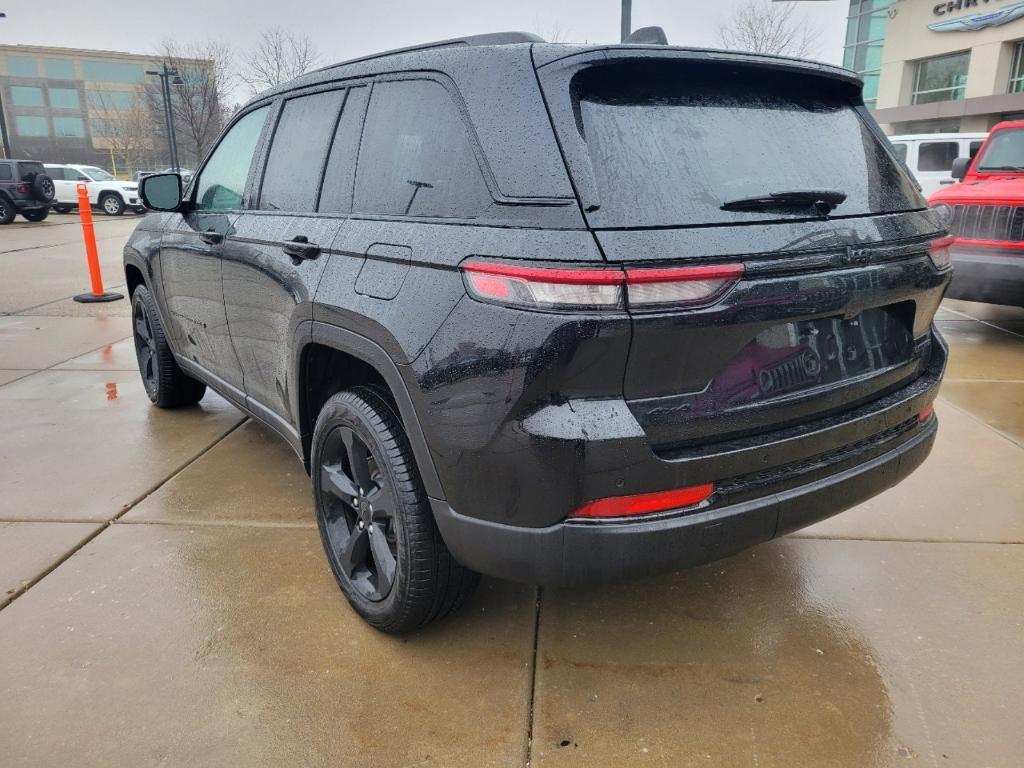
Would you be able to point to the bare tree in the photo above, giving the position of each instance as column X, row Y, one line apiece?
column 763, row 26
column 278, row 57
column 126, row 129
column 199, row 95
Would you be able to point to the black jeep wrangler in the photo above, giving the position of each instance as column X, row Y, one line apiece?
column 26, row 189
column 552, row 313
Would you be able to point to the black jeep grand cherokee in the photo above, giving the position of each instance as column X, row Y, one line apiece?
column 552, row 313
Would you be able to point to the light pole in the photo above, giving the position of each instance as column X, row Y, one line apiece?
column 4, row 138
column 626, row 22
column 169, row 76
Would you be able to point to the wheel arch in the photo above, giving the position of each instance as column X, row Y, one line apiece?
column 332, row 359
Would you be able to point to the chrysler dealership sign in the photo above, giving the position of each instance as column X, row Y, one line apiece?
column 975, row 21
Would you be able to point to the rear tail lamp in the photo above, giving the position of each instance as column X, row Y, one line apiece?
column 22, row 189
column 925, row 414
column 938, row 251
column 598, row 288
column 646, row 503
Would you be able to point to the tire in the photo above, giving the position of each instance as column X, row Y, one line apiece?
column 62, row 208
column 6, row 211
column 112, row 204
column 390, row 562
column 36, row 215
column 165, row 383
column 43, row 189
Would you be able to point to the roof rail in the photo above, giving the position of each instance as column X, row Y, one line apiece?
column 492, row 38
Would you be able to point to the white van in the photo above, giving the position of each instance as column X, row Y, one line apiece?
column 930, row 156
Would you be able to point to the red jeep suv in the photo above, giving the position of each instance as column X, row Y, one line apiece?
column 985, row 215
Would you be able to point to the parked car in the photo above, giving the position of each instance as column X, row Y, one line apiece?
column 24, row 188
column 566, row 321
column 929, row 156
column 110, row 194
column 985, row 215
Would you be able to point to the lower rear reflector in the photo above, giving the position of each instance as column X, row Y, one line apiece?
column 646, row 503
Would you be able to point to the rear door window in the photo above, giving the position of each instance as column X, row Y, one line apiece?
column 937, row 155
column 298, row 152
column 417, row 157
column 57, row 174
column 670, row 142
column 6, row 174
column 340, row 176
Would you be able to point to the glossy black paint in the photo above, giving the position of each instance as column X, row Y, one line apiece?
column 516, row 418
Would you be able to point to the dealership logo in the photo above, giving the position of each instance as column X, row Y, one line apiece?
column 976, row 21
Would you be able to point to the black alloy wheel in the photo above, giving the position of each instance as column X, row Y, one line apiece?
column 359, row 508
column 165, row 383
column 375, row 520
column 144, row 351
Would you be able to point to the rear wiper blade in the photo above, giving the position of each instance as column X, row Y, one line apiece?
column 822, row 201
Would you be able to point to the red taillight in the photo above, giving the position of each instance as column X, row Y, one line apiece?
column 925, row 414
column 646, row 503
column 938, row 251
column 680, row 286
column 598, row 288
column 23, row 189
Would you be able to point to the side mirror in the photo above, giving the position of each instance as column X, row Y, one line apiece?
column 960, row 166
column 161, row 191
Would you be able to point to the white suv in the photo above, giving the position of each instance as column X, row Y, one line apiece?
column 109, row 193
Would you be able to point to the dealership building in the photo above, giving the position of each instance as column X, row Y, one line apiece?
column 930, row 66
column 66, row 105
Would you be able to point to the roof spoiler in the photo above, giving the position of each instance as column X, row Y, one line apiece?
column 647, row 36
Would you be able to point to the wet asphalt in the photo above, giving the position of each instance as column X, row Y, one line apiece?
column 164, row 599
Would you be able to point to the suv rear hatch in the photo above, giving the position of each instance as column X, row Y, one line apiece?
column 692, row 158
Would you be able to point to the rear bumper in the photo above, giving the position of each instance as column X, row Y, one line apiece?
column 572, row 553
column 988, row 275
column 765, row 485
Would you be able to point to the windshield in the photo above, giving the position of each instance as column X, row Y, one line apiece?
column 1004, row 152
column 670, row 143
column 97, row 174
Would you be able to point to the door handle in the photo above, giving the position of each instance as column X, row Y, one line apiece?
column 947, row 181
column 211, row 237
column 300, row 249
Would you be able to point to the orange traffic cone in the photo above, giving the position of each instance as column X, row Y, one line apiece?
column 91, row 255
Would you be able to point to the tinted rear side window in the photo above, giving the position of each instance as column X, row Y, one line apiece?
column 336, row 195
column 416, row 157
column 670, row 142
column 298, row 152
column 57, row 174
column 937, row 155
column 5, row 172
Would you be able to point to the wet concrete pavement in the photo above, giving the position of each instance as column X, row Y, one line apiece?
column 164, row 599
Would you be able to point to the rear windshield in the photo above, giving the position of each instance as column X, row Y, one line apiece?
column 27, row 171
column 671, row 142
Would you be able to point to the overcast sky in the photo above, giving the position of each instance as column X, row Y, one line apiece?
column 343, row 29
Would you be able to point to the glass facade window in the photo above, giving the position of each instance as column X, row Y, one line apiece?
column 24, row 96
column 31, row 125
column 1017, row 69
column 64, row 98
column 943, row 78
column 865, row 38
column 68, row 127
column 22, row 66
column 112, row 71
column 60, row 69
column 111, row 100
